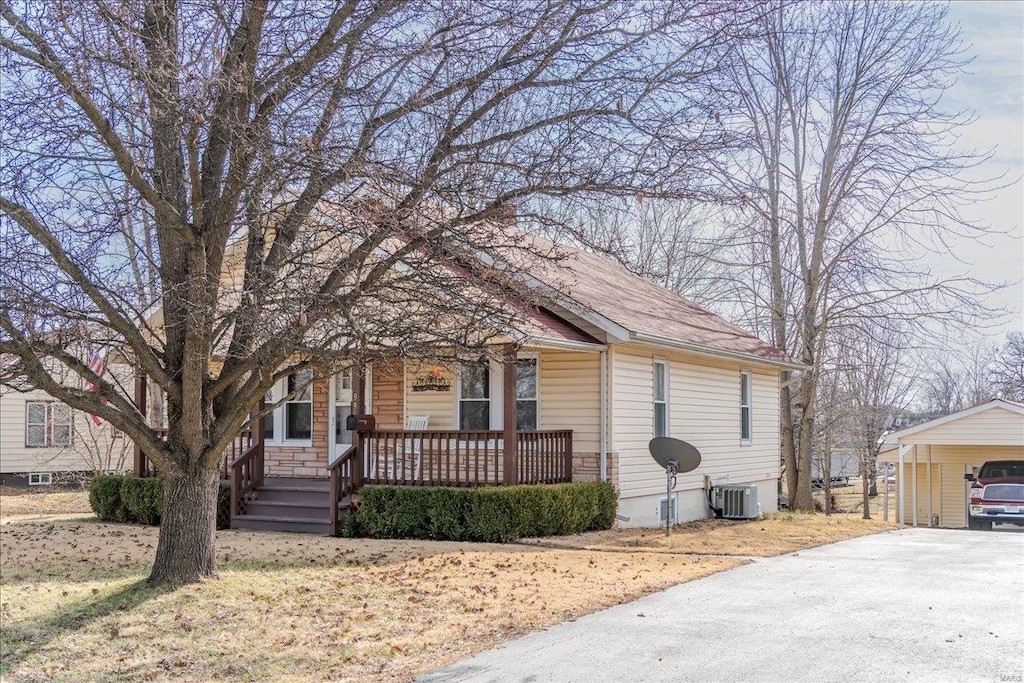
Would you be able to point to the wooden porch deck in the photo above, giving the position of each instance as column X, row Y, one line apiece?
column 397, row 458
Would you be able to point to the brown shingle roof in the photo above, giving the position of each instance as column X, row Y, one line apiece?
column 645, row 308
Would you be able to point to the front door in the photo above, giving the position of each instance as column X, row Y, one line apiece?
column 341, row 408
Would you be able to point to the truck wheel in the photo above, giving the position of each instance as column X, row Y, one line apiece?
column 979, row 525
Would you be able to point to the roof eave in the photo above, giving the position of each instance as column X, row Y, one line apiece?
column 703, row 350
column 894, row 437
column 567, row 344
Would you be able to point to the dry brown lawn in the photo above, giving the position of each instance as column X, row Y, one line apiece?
column 74, row 605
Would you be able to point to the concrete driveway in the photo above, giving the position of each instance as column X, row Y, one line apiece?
column 916, row 604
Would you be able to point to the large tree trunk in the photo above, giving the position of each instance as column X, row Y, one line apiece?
column 865, row 476
column 186, row 551
column 802, row 499
column 788, row 444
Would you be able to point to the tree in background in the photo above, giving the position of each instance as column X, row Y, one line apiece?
column 1008, row 370
column 850, row 168
column 956, row 377
column 236, row 190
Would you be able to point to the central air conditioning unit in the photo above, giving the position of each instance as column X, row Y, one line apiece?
column 737, row 501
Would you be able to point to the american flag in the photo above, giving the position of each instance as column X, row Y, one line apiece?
column 96, row 364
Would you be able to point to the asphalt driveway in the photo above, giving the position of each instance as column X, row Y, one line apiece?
column 916, row 604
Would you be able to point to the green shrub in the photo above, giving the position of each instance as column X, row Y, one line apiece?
column 124, row 498
column 224, row 506
column 105, row 497
column 143, row 498
column 496, row 514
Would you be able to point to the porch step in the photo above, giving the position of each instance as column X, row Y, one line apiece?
column 292, row 495
column 278, row 508
column 300, row 525
column 286, row 504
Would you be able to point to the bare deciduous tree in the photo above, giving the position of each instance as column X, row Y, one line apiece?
column 1008, row 370
column 850, row 171
column 300, row 184
column 958, row 376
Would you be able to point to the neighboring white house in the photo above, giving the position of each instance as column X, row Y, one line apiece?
column 44, row 441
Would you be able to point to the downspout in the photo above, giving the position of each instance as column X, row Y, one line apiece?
column 604, row 416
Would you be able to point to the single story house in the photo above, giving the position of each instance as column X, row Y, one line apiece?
column 576, row 393
column 932, row 458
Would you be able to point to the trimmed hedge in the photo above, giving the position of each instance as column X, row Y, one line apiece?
column 126, row 498
column 493, row 514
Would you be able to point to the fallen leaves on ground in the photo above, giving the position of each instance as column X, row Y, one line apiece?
column 75, row 605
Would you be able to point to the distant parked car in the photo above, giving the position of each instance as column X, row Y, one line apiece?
column 997, row 494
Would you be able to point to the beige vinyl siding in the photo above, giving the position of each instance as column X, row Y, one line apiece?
column 923, row 486
column 994, row 427
column 88, row 443
column 949, row 462
column 569, row 392
column 704, row 410
column 952, row 494
column 439, row 405
column 570, row 396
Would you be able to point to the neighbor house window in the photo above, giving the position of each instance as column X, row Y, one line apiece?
column 60, row 428
column 48, row 424
column 475, row 397
column 745, row 418
column 298, row 410
column 660, row 398
column 526, row 393
column 40, row 479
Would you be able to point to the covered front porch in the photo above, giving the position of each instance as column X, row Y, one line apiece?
column 400, row 423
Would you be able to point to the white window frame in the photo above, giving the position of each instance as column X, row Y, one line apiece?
column 665, row 399
column 49, row 425
column 535, row 357
column 283, row 409
column 67, row 427
column 274, row 416
column 748, row 421
column 45, row 424
column 493, row 405
column 40, row 479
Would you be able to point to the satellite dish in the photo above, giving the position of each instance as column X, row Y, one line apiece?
column 665, row 449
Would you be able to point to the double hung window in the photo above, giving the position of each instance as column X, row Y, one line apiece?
column 298, row 409
column 48, row 423
column 746, row 425
column 660, row 398
column 526, row 394
column 475, row 397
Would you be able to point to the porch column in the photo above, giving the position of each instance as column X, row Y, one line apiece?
column 510, row 437
column 358, row 408
column 902, row 495
column 141, row 404
column 929, row 466
column 914, row 485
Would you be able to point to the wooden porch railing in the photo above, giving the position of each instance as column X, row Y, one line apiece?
column 545, row 457
column 246, row 475
column 342, row 483
column 144, row 467
column 463, row 458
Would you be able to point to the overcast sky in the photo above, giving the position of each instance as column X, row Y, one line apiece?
column 994, row 89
